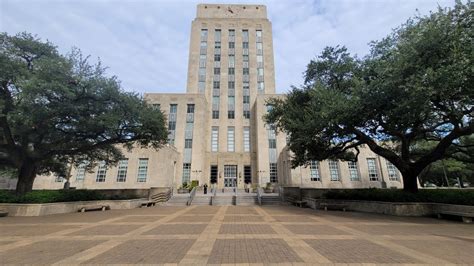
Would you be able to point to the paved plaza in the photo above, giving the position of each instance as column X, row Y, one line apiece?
column 233, row 235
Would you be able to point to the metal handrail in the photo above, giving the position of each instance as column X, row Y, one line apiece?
column 191, row 196
column 259, row 195
column 213, row 193
column 161, row 196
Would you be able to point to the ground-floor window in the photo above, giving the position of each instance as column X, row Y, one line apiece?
column 230, row 175
column 247, row 174
column 392, row 172
column 353, row 171
column 142, row 169
column 214, row 171
column 122, row 170
column 101, row 172
column 373, row 174
column 314, row 171
column 81, row 172
column 273, row 173
column 186, row 173
column 333, row 170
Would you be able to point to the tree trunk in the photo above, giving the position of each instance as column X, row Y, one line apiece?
column 26, row 177
column 410, row 183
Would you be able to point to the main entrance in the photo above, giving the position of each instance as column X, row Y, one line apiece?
column 230, row 175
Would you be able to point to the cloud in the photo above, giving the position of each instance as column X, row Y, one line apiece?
column 145, row 43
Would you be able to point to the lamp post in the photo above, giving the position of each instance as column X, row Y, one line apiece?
column 174, row 177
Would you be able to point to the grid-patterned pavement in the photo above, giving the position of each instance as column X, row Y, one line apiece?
column 233, row 235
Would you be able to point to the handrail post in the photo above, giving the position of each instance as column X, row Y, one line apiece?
column 191, row 196
column 259, row 196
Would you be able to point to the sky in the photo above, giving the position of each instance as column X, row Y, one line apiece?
column 145, row 43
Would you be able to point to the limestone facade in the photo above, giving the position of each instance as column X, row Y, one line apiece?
column 217, row 133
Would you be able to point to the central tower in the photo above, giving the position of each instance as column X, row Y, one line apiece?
column 230, row 64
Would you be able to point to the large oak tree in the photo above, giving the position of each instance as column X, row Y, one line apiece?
column 59, row 110
column 416, row 85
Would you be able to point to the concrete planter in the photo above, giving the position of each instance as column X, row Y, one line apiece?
column 394, row 208
column 34, row 209
column 183, row 190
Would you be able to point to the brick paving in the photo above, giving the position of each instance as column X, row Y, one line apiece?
column 314, row 229
column 232, row 235
column 177, row 229
column 140, row 219
column 192, row 218
column 145, row 251
column 106, row 229
column 454, row 251
column 32, row 230
column 252, row 251
column 46, row 252
column 414, row 229
column 241, row 210
column 242, row 218
column 357, row 251
column 254, row 229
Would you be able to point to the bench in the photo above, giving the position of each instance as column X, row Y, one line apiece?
column 3, row 213
column 466, row 216
column 299, row 203
column 147, row 204
column 332, row 206
column 94, row 208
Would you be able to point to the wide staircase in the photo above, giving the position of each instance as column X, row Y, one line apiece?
column 178, row 200
column 222, row 200
column 223, row 197
column 246, row 200
column 271, row 200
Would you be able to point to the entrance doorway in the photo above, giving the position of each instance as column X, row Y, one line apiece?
column 230, row 175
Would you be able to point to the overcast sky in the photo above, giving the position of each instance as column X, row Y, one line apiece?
column 145, row 43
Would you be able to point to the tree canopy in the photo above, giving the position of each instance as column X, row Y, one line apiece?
column 60, row 109
column 416, row 85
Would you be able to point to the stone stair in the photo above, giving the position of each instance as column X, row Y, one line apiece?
column 201, row 200
column 271, row 200
column 246, row 200
column 220, row 200
column 177, row 201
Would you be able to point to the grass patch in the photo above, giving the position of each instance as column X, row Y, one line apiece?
column 49, row 196
column 448, row 196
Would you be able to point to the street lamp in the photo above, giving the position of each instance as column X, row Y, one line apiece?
column 174, row 177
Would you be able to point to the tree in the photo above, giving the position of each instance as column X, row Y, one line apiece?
column 458, row 165
column 415, row 85
column 59, row 110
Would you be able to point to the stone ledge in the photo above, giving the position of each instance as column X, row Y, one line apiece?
column 41, row 209
column 394, row 208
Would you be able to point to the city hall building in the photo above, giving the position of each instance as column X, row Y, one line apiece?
column 216, row 129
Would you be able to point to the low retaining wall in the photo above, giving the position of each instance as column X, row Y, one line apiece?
column 32, row 209
column 393, row 208
column 300, row 193
column 130, row 193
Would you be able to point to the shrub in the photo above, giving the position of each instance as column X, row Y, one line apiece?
column 48, row 196
column 448, row 196
column 194, row 183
